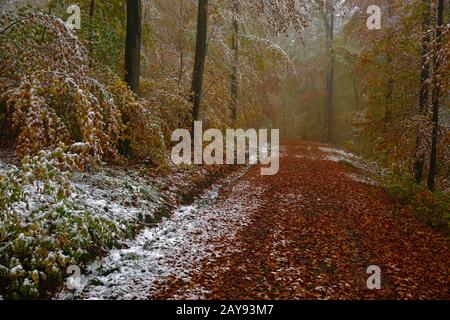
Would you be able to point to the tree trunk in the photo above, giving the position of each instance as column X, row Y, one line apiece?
column 133, row 45
column 424, row 89
column 200, row 56
column 436, row 101
column 235, row 67
column 329, row 111
column 180, row 45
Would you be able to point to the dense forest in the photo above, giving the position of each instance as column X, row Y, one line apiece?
column 91, row 92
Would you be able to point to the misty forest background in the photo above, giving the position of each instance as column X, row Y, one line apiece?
column 113, row 91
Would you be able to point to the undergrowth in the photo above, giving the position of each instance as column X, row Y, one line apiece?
column 431, row 207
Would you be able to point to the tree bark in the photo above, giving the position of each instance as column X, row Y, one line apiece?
column 235, row 67
column 355, row 93
column 91, row 28
column 436, row 101
column 200, row 56
column 180, row 45
column 329, row 108
column 133, row 45
column 424, row 89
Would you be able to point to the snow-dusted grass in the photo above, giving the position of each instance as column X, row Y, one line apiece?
column 337, row 155
column 371, row 171
column 51, row 219
column 362, row 179
column 118, row 195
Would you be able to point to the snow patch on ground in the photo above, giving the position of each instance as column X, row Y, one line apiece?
column 118, row 194
column 367, row 167
column 337, row 155
column 362, row 179
column 171, row 250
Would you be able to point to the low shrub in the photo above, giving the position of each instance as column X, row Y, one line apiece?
column 54, row 97
column 432, row 207
column 43, row 230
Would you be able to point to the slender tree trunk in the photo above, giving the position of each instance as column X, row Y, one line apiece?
column 132, row 60
column 180, row 45
column 436, row 101
column 330, row 74
column 424, row 89
column 133, row 45
column 235, row 67
column 200, row 56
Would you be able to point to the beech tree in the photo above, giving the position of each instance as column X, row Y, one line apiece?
column 235, row 66
column 327, row 11
column 200, row 56
column 329, row 15
column 424, row 88
column 436, row 99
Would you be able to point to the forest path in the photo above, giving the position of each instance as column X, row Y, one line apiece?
column 311, row 232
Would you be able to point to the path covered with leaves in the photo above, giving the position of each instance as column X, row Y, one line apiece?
column 319, row 225
column 309, row 232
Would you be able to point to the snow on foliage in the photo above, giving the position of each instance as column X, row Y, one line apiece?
column 51, row 219
column 53, row 98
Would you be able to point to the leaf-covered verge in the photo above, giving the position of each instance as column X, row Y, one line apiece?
column 432, row 207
